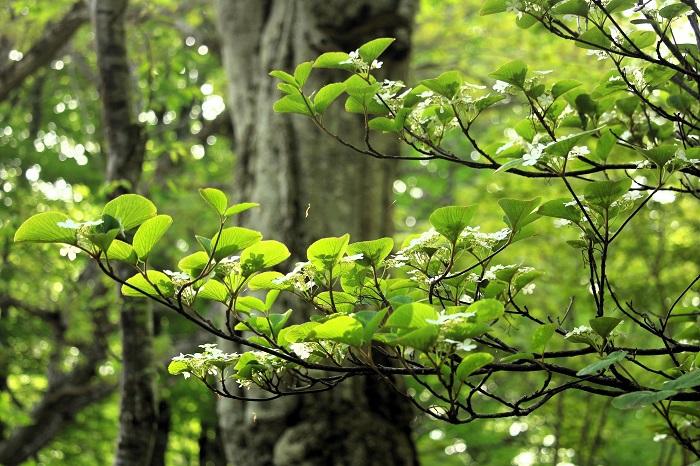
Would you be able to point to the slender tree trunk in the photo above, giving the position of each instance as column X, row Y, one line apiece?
column 309, row 187
column 126, row 144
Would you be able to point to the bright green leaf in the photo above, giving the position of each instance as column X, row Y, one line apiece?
column 471, row 363
column 149, row 233
column 232, row 240
column 541, row 336
column 327, row 95
column 131, row 210
column 148, row 286
column 450, row 221
column 513, row 73
column 43, row 228
column 374, row 48
column 215, row 198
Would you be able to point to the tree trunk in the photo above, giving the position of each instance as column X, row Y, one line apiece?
column 126, row 144
column 309, row 187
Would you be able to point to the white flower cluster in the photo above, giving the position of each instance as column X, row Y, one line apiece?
column 83, row 229
column 389, row 94
column 447, row 321
column 203, row 363
column 302, row 277
column 360, row 65
column 475, row 237
column 230, row 265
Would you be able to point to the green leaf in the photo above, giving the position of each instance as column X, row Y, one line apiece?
column 616, row 5
column 641, row 39
column 262, row 255
column 234, row 239
column 284, row 76
column 326, row 252
column 383, row 124
column 269, row 281
column 660, row 155
column 513, row 73
column 447, row 84
column 176, row 367
column 370, row 320
column 148, row 286
column 518, row 357
column 572, row 7
column 121, row 251
column 642, row 398
column 238, row 208
column 541, row 336
column 412, row 316
column 657, row 75
column 450, row 221
column 594, row 38
column 604, row 363
column 604, row 325
column 487, row 310
column 374, row 48
column 248, row 303
column 131, row 210
column 674, row 10
column 205, row 243
column 604, row 193
column 605, row 144
column 374, row 252
column 608, row 89
column 214, row 291
column 519, row 213
column 471, row 363
column 526, row 129
column 302, row 72
column 295, row 103
column 556, row 208
column 215, row 198
column 340, row 328
column 492, row 7
column 687, row 380
column 334, row 60
column 525, row 21
column 421, row 339
column 43, row 228
column 194, row 263
column 149, row 233
column 509, row 165
column 327, row 95
column 103, row 240
column 562, row 147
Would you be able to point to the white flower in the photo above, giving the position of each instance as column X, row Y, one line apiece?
column 177, row 275
column 560, row 222
column 572, row 203
column 545, row 100
column 632, row 196
column 501, row 86
column 186, row 374
column 578, row 151
column 377, row 64
column 514, row 6
column 69, row 251
column 582, row 330
column 74, row 225
column 659, row 437
column 442, row 317
column 465, row 345
column 534, row 155
column 303, row 350
column 528, row 289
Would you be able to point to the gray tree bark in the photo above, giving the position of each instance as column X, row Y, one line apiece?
column 126, row 144
column 309, row 187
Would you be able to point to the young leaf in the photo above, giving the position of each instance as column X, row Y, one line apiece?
column 451, row 220
column 604, row 193
column 326, row 252
column 234, row 239
column 594, row 38
column 326, row 95
column 121, row 251
column 262, row 255
column 334, row 60
column 302, row 72
column 604, row 325
column 412, row 316
column 215, row 198
column 541, row 337
column 194, row 264
column 447, row 84
column 284, row 76
column 340, row 328
column 238, row 208
column 295, row 103
column 572, row 7
column 519, row 213
column 642, row 398
column 562, row 147
column 492, row 7
column 513, row 73
column 149, row 233
column 558, row 208
column 384, row 124
column 471, row 363
column 487, row 310
column 176, row 367
column 374, row 252
column 43, row 228
column 155, row 279
column 214, row 291
column 608, row 361
column 269, row 281
column 374, row 48
column 131, row 210
column 421, row 339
